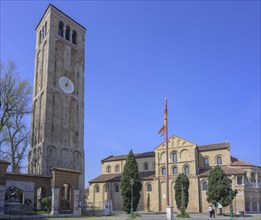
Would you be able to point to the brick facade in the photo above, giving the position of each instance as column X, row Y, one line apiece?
column 56, row 157
column 57, row 137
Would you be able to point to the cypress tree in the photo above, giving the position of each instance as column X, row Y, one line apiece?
column 182, row 192
column 130, row 171
column 219, row 186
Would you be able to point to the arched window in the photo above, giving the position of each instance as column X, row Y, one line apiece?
column 205, row 186
column 74, row 37
column 40, row 37
column 239, row 180
column 117, row 188
column 66, row 191
column 146, row 166
column 45, row 28
column 175, row 170
column 43, row 32
column 205, row 161
column 174, row 157
column 163, row 171
column 186, row 169
column 107, row 188
column 108, row 169
column 252, row 179
column 61, row 28
column 149, row 188
column 219, row 160
column 117, row 168
column 67, row 33
column 97, row 189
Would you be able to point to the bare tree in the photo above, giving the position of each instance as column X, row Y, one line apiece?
column 15, row 95
column 16, row 140
column 15, row 100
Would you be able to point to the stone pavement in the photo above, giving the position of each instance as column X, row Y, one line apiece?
column 142, row 216
column 162, row 216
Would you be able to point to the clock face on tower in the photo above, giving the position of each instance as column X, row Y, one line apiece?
column 66, row 84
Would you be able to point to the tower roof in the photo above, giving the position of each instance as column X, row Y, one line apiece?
column 52, row 6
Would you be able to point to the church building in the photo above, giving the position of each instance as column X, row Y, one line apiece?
column 184, row 157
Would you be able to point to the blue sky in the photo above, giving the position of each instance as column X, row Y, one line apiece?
column 204, row 55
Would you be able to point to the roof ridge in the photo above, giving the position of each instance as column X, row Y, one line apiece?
column 211, row 147
column 122, row 156
column 226, row 143
column 106, row 158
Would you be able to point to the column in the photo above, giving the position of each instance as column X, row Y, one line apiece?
column 70, row 34
column 157, row 195
column 256, row 178
column 248, row 174
column 76, row 210
column 110, row 190
column 64, row 31
column 55, row 201
column 2, row 200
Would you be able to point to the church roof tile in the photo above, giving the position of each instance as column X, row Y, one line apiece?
column 124, row 157
column 116, row 177
column 228, row 170
column 237, row 162
column 210, row 147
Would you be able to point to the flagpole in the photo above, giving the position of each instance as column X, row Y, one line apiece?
column 167, row 156
column 164, row 130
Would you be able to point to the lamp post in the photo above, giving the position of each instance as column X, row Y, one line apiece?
column 230, row 197
column 132, row 183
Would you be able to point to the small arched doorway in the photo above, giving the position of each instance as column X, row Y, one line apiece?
column 65, row 198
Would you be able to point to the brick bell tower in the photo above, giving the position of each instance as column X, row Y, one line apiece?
column 57, row 137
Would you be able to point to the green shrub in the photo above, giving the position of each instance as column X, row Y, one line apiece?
column 184, row 215
column 65, row 204
column 47, row 203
